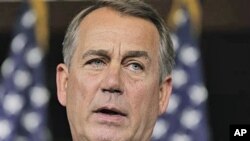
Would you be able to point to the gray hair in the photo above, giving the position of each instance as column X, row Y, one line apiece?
column 134, row 8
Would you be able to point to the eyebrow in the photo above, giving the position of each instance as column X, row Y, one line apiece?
column 129, row 54
column 100, row 52
column 132, row 54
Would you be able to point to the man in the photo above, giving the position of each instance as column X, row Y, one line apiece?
column 116, row 79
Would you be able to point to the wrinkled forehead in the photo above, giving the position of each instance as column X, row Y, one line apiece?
column 107, row 24
column 99, row 13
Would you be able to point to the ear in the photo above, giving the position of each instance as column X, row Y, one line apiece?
column 164, row 95
column 61, row 83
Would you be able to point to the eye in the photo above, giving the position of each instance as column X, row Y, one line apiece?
column 96, row 63
column 136, row 67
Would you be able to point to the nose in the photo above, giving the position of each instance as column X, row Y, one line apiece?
column 112, row 82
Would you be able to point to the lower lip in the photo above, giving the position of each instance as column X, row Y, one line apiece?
column 109, row 119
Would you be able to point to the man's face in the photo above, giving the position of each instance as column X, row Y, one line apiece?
column 111, row 90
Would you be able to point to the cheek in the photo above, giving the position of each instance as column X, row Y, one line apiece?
column 81, row 91
column 143, row 97
column 146, row 90
column 144, row 105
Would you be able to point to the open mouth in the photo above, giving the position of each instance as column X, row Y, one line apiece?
column 111, row 112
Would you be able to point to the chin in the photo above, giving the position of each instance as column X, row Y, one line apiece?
column 107, row 134
column 109, row 137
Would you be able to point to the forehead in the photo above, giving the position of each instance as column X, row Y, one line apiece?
column 107, row 25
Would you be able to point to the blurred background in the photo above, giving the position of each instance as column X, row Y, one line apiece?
column 224, row 43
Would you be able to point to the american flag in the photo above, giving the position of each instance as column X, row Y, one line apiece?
column 185, row 118
column 23, row 95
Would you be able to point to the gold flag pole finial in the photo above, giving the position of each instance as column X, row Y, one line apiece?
column 176, row 15
column 41, row 28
